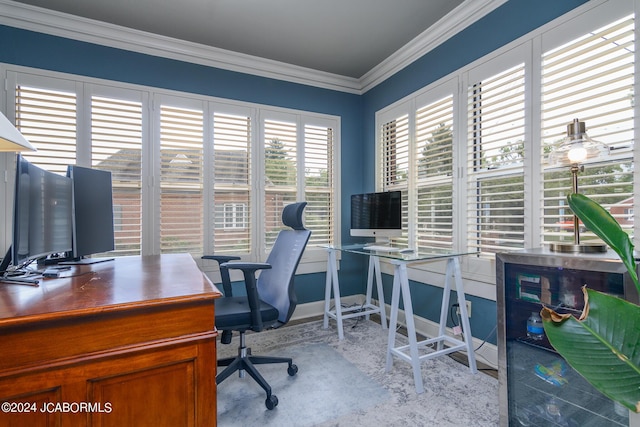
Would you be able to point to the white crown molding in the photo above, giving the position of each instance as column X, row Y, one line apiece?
column 455, row 21
column 55, row 23
column 50, row 22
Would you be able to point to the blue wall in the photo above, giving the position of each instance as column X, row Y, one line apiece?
column 512, row 20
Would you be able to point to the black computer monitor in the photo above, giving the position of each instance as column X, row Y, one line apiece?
column 93, row 231
column 376, row 214
column 42, row 214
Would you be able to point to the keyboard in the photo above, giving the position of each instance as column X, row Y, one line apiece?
column 381, row 248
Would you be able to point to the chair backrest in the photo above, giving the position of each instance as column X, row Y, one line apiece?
column 275, row 285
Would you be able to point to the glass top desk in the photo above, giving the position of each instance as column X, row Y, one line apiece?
column 400, row 259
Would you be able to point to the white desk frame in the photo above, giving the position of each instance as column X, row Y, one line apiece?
column 332, row 284
column 401, row 286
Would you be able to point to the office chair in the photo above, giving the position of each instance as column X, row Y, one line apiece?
column 270, row 299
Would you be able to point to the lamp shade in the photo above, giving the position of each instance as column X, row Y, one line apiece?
column 573, row 151
column 11, row 139
column 577, row 147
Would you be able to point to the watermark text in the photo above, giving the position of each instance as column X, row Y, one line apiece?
column 53, row 407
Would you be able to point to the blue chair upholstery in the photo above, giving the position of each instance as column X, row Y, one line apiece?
column 270, row 298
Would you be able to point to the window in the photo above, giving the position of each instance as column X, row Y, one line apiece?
column 232, row 182
column 299, row 164
column 416, row 157
column 590, row 78
column 470, row 150
column 234, row 216
column 434, row 154
column 280, row 147
column 495, row 167
column 181, row 180
column 394, row 145
column 190, row 174
column 319, row 181
column 47, row 113
column 116, row 146
column 47, row 118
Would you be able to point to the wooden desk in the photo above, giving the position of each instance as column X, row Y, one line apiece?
column 129, row 342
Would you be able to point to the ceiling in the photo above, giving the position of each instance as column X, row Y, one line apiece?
column 343, row 37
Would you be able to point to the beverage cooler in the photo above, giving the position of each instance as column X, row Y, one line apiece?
column 537, row 387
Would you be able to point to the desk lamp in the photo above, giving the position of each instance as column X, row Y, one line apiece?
column 573, row 151
column 11, row 140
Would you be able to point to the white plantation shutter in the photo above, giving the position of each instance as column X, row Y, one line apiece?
column 185, row 180
column 116, row 146
column 319, row 183
column 232, row 183
column 181, row 180
column 47, row 118
column 495, row 162
column 281, row 174
column 396, row 166
column 395, row 153
column 434, row 162
column 590, row 78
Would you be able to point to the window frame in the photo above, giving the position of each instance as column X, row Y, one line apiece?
column 314, row 259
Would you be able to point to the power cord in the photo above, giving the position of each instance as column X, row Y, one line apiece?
column 345, row 306
column 459, row 324
column 360, row 310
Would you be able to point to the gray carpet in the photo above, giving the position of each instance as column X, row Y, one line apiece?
column 343, row 383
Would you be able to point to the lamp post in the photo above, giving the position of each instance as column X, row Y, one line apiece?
column 575, row 150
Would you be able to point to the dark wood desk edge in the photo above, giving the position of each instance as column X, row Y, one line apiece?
column 56, row 316
column 114, row 308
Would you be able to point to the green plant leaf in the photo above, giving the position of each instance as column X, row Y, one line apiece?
column 603, row 225
column 603, row 346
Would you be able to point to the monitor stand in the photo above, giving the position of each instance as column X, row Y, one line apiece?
column 10, row 280
column 85, row 261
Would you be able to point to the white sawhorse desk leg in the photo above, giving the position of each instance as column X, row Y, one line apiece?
column 332, row 280
column 401, row 285
column 374, row 273
column 332, row 283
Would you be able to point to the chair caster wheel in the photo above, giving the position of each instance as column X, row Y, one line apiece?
column 271, row 402
column 292, row 370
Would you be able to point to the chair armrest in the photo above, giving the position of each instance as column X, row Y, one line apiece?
column 224, row 273
column 249, row 270
column 221, row 259
column 247, row 266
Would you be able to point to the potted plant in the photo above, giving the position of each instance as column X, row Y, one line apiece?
column 603, row 344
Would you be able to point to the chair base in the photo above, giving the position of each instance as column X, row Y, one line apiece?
column 245, row 362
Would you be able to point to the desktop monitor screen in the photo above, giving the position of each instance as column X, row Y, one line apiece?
column 42, row 213
column 376, row 214
column 93, row 211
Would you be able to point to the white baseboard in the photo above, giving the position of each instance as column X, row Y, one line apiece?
column 487, row 354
